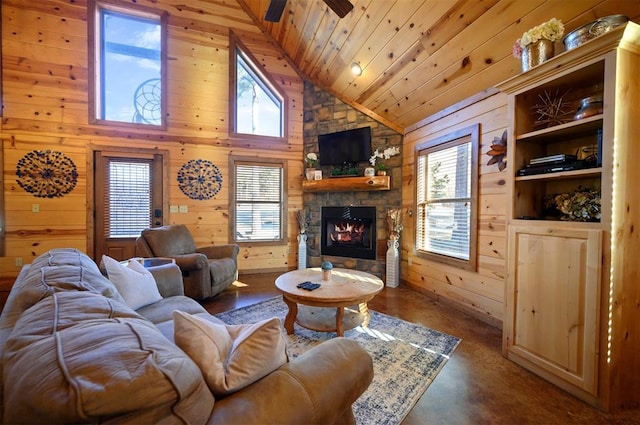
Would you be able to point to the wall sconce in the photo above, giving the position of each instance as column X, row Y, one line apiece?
column 355, row 69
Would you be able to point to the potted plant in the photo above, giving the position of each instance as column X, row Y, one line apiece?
column 312, row 160
column 536, row 45
column 376, row 159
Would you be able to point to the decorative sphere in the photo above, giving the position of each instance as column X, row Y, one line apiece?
column 326, row 265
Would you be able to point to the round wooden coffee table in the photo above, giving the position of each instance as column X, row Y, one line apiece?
column 326, row 309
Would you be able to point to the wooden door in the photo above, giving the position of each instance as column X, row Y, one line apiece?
column 553, row 287
column 128, row 197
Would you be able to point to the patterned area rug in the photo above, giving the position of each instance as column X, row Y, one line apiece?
column 406, row 357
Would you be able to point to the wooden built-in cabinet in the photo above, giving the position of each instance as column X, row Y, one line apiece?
column 553, row 305
column 572, row 312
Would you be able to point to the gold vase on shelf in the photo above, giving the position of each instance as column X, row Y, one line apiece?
column 536, row 53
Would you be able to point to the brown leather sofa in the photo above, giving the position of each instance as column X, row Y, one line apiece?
column 74, row 352
column 206, row 271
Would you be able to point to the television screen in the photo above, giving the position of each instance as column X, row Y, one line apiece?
column 345, row 147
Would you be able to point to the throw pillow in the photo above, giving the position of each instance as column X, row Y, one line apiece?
column 135, row 283
column 231, row 357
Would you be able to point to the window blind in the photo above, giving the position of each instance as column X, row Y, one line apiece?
column 258, row 197
column 127, row 197
column 444, row 200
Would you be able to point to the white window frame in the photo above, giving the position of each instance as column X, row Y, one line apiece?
column 463, row 136
column 237, row 48
column 95, row 9
column 234, row 162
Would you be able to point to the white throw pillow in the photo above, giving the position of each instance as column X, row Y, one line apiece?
column 231, row 357
column 135, row 283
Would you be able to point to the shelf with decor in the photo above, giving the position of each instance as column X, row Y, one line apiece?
column 570, row 219
column 557, row 145
column 347, row 184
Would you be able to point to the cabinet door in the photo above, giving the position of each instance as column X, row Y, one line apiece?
column 553, row 290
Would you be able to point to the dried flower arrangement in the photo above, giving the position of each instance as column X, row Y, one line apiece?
column 583, row 204
column 303, row 220
column 394, row 223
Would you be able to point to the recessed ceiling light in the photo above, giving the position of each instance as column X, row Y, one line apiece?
column 355, row 69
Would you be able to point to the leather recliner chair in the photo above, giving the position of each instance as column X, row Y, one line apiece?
column 206, row 271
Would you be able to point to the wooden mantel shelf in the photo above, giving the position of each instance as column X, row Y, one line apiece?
column 347, row 184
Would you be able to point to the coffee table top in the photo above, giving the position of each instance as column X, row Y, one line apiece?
column 346, row 287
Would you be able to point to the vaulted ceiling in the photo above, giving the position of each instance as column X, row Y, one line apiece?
column 418, row 57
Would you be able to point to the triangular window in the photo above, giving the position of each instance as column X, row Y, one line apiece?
column 258, row 107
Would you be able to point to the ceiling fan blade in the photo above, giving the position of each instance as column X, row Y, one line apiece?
column 341, row 7
column 274, row 11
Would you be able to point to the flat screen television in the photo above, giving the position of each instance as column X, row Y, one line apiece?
column 345, row 147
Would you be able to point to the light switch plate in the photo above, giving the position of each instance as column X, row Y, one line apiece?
column 184, row 209
column 173, row 209
column 35, row 208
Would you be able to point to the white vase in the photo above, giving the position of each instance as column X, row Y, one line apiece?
column 302, row 251
column 310, row 173
column 369, row 172
column 393, row 263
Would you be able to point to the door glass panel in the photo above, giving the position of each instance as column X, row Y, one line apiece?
column 128, row 198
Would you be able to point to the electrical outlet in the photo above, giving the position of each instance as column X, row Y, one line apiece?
column 35, row 208
column 173, row 209
column 184, row 209
column 18, row 261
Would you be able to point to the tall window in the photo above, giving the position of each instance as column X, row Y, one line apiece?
column 258, row 200
column 447, row 184
column 258, row 106
column 127, row 56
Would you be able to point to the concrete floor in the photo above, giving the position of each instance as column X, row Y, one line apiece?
column 477, row 385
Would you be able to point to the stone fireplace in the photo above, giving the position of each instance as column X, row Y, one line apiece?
column 348, row 231
column 323, row 113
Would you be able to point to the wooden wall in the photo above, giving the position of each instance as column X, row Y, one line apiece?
column 480, row 292
column 45, row 96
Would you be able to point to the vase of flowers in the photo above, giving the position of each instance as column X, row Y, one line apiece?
column 537, row 45
column 377, row 158
column 312, row 160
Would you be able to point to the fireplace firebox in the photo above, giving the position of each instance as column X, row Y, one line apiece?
column 349, row 232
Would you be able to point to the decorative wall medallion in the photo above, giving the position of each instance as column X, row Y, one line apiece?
column 498, row 152
column 46, row 174
column 199, row 179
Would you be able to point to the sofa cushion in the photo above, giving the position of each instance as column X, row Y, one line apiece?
column 231, row 357
column 169, row 241
column 135, row 283
column 222, row 269
column 65, row 309
column 167, row 328
column 161, row 313
column 109, row 364
column 55, row 271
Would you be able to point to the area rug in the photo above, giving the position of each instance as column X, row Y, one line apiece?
column 406, row 357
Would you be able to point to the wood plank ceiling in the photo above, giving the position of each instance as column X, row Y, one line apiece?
column 418, row 56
